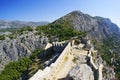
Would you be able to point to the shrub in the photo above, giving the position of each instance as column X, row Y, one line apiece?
column 14, row 70
column 2, row 37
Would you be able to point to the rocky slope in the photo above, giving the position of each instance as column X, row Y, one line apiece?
column 18, row 24
column 97, row 28
column 77, row 72
column 22, row 46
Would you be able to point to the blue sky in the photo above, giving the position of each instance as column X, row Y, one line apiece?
column 50, row 10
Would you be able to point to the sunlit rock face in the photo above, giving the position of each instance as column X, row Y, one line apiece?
column 98, row 28
column 82, row 72
column 23, row 46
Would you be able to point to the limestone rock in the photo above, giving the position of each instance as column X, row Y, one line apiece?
column 98, row 28
column 22, row 46
column 82, row 72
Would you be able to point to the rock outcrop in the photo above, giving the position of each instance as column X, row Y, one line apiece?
column 22, row 46
column 82, row 72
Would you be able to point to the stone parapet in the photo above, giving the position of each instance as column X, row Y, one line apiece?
column 49, row 72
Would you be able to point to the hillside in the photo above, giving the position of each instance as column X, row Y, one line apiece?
column 97, row 28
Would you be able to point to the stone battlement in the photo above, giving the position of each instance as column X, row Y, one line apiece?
column 49, row 72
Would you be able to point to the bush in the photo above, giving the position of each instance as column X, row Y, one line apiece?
column 21, row 30
column 14, row 70
column 2, row 37
column 59, row 30
column 74, row 59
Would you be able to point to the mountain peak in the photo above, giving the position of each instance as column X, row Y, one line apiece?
column 98, row 28
column 76, row 12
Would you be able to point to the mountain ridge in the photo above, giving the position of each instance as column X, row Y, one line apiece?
column 97, row 27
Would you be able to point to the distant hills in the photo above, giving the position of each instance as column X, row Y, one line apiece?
column 18, row 24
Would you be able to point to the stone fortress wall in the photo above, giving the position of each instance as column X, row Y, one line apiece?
column 97, row 69
column 49, row 72
column 59, row 46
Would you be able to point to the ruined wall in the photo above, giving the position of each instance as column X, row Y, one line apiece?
column 49, row 72
column 100, row 77
column 97, row 70
column 48, row 46
column 59, row 46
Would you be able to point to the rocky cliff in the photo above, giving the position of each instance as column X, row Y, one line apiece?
column 22, row 46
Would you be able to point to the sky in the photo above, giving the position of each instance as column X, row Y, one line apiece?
column 50, row 10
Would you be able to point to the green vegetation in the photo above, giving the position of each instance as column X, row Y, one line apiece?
column 25, row 67
column 59, row 30
column 2, row 37
column 110, row 48
column 15, row 70
column 35, row 54
column 12, row 36
column 21, row 30
column 74, row 59
column 38, row 63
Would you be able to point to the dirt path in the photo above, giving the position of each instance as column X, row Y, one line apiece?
column 65, row 68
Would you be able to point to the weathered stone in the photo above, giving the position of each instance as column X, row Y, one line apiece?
column 22, row 46
column 82, row 72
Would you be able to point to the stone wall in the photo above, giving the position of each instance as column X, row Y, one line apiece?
column 49, row 72
column 59, row 46
column 97, row 70
column 100, row 77
column 48, row 46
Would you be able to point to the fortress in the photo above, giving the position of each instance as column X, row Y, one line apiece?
column 52, row 72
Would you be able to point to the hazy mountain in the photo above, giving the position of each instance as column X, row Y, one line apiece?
column 18, row 24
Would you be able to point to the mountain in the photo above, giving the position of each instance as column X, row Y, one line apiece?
column 97, row 28
column 18, row 24
column 15, row 47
